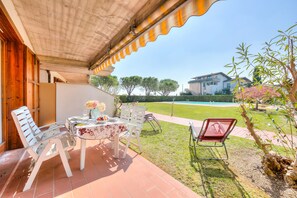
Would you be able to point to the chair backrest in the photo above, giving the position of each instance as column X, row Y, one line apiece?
column 35, row 129
column 137, row 117
column 216, row 129
column 24, row 129
column 126, row 111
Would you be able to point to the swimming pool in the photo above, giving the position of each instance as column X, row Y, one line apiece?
column 218, row 104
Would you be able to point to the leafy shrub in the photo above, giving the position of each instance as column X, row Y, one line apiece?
column 205, row 98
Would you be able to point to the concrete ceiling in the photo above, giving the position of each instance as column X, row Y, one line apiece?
column 69, row 35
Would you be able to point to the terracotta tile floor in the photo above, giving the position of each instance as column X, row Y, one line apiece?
column 103, row 176
column 8, row 160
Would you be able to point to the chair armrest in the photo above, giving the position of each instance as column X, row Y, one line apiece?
column 52, row 127
column 57, row 124
column 46, row 140
column 131, row 126
column 193, row 131
column 50, row 133
column 54, row 136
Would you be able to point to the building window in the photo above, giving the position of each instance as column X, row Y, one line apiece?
column 228, row 85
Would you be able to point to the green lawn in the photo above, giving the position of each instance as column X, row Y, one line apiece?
column 169, row 150
column 197, row 112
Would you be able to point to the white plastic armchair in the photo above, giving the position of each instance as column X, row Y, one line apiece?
column 41, row 149
column 134, row 127
column 126, row 111
column 45, row 131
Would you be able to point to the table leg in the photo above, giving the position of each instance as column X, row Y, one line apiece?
column 82, row 153
column 116, row 146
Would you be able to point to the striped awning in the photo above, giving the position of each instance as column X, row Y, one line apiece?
column 159, row 23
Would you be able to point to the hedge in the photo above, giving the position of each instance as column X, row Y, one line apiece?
column 205, row 98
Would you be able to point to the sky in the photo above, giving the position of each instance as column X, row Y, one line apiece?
column 207, row 43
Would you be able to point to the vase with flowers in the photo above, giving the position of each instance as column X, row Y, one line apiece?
column 95, row 108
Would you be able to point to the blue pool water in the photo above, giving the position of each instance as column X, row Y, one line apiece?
column 206, row 103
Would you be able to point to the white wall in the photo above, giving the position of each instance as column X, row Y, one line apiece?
column 212, row 89
column 195, row 88
column 71, row 99
column 43, row 76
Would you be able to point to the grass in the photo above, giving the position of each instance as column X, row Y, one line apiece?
column 169, row 150
column 196, row 112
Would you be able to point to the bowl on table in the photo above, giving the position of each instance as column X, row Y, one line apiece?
column 102, row 119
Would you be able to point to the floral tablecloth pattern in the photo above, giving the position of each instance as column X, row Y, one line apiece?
column 95, row 131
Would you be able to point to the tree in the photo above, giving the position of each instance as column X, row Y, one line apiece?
column 277, row 63
column 150, row 84
column 130, row 83
column 166, row 86
column 257, row 94
column 109, row 83
column 257, row 80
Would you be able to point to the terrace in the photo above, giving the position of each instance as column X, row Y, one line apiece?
column 103, row 176
column 48, row 51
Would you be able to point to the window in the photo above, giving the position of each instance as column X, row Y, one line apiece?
column 228, row 85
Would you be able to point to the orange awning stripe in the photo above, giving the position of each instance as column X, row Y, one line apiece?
column 149, row 33
column 142, row 41
column 164, row 27
column 134, row 46
column 127, row 50
column 117, row 57
column 122, row 54
column 152, row 35
column 179, row 18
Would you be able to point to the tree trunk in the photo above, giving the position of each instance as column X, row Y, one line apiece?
column 275, row 165
column 291, row 175
column 250, row 127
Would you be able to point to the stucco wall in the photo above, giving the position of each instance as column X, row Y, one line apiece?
column 71, row 98
column 194, row 88
column 212, row 89
column 208, row 89
column 43, row 76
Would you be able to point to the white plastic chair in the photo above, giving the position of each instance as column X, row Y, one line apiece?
column 134, row 127
column 39, row 132
column 41, row 149
column 126, row 111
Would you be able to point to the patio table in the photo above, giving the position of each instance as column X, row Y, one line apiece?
column 88, row 129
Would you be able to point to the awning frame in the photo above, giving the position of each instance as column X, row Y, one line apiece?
column 161, row 24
